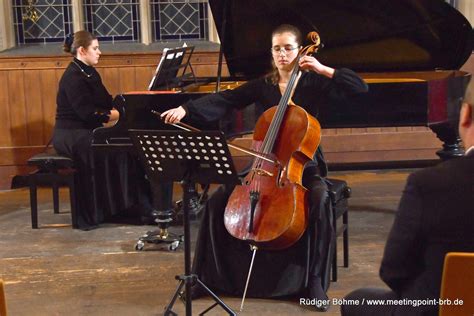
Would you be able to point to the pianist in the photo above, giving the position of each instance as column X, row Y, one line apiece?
column 83, row 103
column 221, row 261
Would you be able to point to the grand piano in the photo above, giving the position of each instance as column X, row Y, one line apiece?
column 408, row 51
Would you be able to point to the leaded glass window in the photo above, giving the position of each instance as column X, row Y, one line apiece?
column 113, row 20
column 179, row 19
column 41, row 21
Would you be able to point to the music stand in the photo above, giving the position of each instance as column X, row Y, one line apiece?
column 173, row 68
column 189, row 157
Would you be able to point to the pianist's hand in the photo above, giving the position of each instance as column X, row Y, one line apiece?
column 113, row 118
column 174, row 115
column 114, row 115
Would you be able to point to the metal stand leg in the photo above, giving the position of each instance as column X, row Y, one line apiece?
column 188, row 279
column 55, row 188
column 33, row 201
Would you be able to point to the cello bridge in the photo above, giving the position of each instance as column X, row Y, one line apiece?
column 262, row 172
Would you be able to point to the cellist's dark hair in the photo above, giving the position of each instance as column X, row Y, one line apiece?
column 274, row 75
column 288, row 28
column 73, row 41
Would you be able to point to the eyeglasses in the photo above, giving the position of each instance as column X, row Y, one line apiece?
column 285, row 49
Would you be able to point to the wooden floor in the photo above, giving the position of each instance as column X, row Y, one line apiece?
column 55, row 270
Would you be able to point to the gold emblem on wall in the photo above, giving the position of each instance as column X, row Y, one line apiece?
column 30, row 12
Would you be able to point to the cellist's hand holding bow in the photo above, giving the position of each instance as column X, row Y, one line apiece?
column 173, row 116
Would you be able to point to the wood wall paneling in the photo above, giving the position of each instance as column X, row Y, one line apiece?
column 18, row 155
column 34, row 108
column 143, row 77
column 5, row 134
column 8, row 172
column 49, row 88
column 16, row 97
column 127, row 79
column 111, row 80
column 383, row 141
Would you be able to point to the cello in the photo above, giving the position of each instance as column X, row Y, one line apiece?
column 270, row 209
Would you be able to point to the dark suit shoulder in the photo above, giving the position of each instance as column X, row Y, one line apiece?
column 452, row 173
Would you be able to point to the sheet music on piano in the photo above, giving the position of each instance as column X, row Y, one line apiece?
column 174, row 66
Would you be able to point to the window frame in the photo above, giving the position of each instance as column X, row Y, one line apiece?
column 7, row 31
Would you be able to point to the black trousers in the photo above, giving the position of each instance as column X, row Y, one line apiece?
column 75, row 143
column 222, row 261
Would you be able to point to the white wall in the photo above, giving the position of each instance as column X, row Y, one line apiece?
column 1, row 39
column 2, row 27
column 7, row 36
column 466, row 7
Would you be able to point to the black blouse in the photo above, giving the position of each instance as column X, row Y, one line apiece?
column 82, row 101
column 311, row 91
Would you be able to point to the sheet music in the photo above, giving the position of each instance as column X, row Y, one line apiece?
column 164, row 56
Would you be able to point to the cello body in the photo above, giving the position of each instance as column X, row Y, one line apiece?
column 279, row 217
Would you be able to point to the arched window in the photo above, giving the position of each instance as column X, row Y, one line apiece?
column 178, row 20
column 113, row 20
column 43, row 21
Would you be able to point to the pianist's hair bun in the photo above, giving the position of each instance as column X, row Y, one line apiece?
column 73, row 41
column 68, row 41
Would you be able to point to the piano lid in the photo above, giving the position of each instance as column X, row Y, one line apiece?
column 364, row 35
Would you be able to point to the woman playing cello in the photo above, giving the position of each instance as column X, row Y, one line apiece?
column 221, row 261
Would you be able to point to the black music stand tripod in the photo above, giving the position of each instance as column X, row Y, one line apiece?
column 189, row 157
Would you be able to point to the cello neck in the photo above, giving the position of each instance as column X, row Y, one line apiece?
column 274, row 128
column 272, row 133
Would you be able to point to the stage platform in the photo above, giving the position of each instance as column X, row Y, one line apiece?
column 56, row 270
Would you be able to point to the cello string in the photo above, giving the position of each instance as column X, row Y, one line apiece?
column 275, row 125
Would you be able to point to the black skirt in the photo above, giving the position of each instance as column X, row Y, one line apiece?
column 222, row 261
column 110, row 187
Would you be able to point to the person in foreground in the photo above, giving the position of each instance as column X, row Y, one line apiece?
column 222, row 261
column 435, row 216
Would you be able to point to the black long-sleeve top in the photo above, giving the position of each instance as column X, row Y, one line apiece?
column 82, row 101
column 311, row 91
column 435, row 216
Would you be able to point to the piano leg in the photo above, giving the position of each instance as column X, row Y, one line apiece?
column 448, row 133
column 163, row 214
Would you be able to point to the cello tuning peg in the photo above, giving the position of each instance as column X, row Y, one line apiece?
column 315, row 39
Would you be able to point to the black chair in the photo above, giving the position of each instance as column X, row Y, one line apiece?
column 53, row 170
column 339, row 193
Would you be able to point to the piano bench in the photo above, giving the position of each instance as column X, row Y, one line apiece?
column 53, row 170
column 339, row 193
